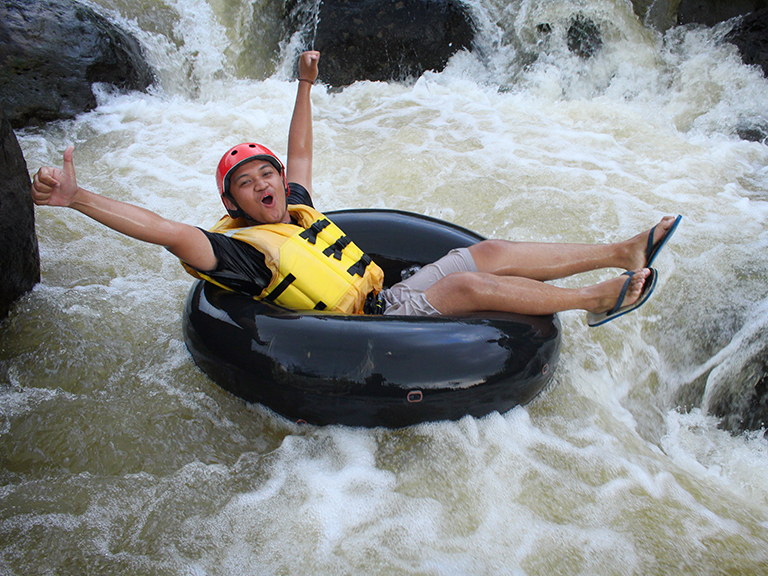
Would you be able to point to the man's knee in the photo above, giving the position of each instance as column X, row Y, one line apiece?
column 454, row 293
column 486, row 246
column 465, row 285
column 488, row 253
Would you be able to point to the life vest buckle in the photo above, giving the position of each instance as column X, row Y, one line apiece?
column 360, row 266
column 336, row 248
column 310, row 234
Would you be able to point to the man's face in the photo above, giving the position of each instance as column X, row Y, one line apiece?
column 257, row 187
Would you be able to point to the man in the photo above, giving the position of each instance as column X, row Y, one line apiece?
column 274, row 245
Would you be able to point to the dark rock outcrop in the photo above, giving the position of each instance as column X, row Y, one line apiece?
column 742, row 403
column 52, row 51
column 658, row 14
column 584, row 37
column 757, row 131
column 374, row 40
column 19, row 258
column 664, row 14
column 750, row 35
column 711, row 12
column 735, row 380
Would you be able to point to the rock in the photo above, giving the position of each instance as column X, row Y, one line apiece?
column 50, row 54
column 711, row 12
column 750, row 35
column 584, row 38
column 736, row 389
column 19, row 258
column 374, row 40
column 753, row 132
column 664, row 14
column 658, row 14
column 743, row 405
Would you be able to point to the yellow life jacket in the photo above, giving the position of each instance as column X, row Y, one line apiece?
column 314, row 265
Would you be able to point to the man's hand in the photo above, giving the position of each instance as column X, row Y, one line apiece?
column 308, row 65
column 56, row 186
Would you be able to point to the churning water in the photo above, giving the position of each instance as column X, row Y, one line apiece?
column 120, row 457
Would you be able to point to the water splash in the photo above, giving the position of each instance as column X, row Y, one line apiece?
column 119, row 455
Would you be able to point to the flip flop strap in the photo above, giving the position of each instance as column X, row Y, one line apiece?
column 649, row 248
column 623, row 292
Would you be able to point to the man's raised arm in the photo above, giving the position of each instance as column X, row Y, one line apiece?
column 299, row 163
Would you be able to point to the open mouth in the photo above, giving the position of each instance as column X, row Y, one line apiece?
column 268, row 200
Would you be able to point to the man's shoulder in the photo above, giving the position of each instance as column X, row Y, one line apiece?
column 299, row 195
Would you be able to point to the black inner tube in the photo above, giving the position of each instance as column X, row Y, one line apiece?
column 391, row 371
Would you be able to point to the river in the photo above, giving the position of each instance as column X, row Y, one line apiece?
column 120, row 457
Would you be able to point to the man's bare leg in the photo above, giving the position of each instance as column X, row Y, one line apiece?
column 543, row 261
column 465, row 292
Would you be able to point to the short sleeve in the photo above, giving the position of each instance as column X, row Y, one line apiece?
column 299, row 195
column 240, row 266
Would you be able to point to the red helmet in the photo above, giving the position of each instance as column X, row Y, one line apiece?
column 238, row 155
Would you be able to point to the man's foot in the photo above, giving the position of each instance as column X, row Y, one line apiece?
column 643, row 248
column 609, row 292
column 621, row 295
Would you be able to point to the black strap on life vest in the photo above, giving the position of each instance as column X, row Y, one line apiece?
column 336, row 248
column 360, row 266
column 310, row 234
column 280, row 288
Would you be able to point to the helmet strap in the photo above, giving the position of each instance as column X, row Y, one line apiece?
column 237, row 212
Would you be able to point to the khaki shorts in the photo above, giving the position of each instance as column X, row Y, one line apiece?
column 407, row 298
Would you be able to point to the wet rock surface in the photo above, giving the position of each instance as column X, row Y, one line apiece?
column 19, row 258
column 53, row 51
column 374, row 40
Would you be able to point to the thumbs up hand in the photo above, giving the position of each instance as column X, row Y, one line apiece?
column 56, row 186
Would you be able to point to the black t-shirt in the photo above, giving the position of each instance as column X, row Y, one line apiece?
column 241, row 267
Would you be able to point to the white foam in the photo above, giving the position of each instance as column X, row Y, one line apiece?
column 601, row 474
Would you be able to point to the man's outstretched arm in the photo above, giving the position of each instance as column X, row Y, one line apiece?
column 58, row 187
